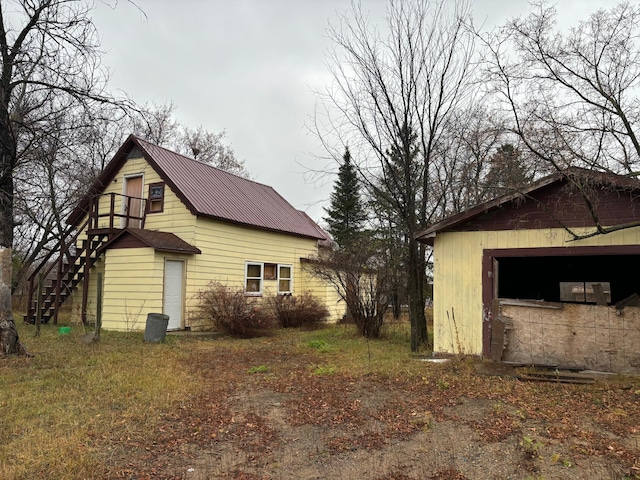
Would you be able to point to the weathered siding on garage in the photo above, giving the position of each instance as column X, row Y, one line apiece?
column 458, row 276
column 582, row 336
column 457, row 294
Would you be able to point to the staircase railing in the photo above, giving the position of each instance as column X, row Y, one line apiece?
column 54, row 296
column 46, row 267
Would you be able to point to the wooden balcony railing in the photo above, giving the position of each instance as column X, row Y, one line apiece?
column 103, row 212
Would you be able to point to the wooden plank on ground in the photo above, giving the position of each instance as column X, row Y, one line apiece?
column 497, row 339
column 598, row 292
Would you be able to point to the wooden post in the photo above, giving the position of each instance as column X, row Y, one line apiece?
column 96, row 335
column 85, row 280
column 112, row 207
column 59, row 274
column 39, row 305
column 127, row 212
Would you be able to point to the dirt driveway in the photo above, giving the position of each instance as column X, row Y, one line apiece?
column 268, row 410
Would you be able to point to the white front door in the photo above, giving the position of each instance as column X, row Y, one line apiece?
column 173, row 304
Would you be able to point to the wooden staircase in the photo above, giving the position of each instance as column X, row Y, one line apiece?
column 53, row 281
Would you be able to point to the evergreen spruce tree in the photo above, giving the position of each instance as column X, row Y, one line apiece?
column 508, row 171
column 346, row 214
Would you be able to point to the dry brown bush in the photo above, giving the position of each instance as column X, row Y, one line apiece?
column 232, row 312
column 303, row 310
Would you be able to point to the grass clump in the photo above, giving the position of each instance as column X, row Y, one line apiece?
column 71, row 405
column 319, row 345
column 321, row 370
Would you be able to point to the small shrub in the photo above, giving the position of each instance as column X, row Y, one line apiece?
column 531, row 447
column 232, row 312
column 298, row 311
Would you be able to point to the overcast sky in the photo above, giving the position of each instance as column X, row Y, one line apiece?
column 250, row 67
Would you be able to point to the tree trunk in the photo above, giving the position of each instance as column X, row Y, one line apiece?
column 415, row 287
column 9, row 341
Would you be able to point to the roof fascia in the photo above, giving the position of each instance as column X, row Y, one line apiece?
column 426, row 235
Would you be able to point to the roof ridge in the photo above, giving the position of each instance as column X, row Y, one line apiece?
column 214, row 192
column 173, row 152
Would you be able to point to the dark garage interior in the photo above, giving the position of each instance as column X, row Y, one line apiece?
column 539, row 278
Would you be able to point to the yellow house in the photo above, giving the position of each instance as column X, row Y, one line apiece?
column 513, row 282
column 156, row 228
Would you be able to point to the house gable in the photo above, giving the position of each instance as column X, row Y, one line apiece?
column 558, row 205
column 150, row 207
column 208, row 192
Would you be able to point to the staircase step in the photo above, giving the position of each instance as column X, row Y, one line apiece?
column 69, row 276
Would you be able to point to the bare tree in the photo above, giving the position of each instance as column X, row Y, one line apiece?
column 391, row 100
column 209, row 147
column 156, row 124
column 53, row 176
column 50, row 64
column 362, row 278
column 571, row 97
column 473, row 136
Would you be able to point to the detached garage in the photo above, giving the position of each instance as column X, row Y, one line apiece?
column 527, row 278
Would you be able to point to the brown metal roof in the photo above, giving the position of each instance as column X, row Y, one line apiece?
column 211, row 192
column 160, row 241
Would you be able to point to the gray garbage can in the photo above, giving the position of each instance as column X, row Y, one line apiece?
column 156, row 327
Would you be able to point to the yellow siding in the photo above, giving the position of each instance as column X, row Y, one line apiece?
column 457, row 280
column 227, row 247
column 326, row 293
column 92, row 295
column 132, row 287
column 175, row 217
column 134, row 277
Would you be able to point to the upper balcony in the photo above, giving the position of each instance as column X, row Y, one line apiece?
column 114, row 211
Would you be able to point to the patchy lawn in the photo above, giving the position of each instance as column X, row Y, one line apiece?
column 297, row 405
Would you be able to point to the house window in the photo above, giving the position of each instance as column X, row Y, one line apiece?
column 156, row 197
column 270, row 271
column 284, row 278
column 253, row 278
column 267, row 275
